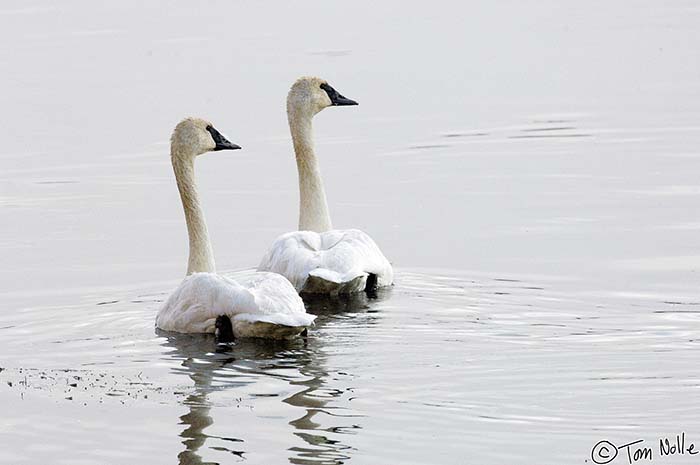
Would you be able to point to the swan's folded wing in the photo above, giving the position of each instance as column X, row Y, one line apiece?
column 333, row 257
column 259, row 297
column 276, row 301
column 352, row 255
column 293, row 255
column 199, row 299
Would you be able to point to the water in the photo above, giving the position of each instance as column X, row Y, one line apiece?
column 439, row 367
column 529, row 168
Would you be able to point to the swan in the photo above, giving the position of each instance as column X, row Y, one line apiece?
column 261, row 305
column 318, row 259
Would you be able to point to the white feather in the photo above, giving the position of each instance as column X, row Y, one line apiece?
column 261, row 298
column 340, row 259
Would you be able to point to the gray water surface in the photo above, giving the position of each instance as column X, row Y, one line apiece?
column 437, row 369
column 530, row 168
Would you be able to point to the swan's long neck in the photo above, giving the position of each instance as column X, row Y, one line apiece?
column 313, row 207
column 201, row 255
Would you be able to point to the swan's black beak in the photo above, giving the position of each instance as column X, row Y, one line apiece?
column 221, row 142
column 223, row 329
column 337, row 100
column 226, row 145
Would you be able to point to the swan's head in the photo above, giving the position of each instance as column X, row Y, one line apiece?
column 223, row 329
column 309, row 95
column 194, row 136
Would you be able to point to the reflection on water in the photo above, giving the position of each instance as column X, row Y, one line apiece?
column 470, row 360
column 219, row 368
column 193, row 349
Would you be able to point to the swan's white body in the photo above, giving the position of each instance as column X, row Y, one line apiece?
column 318, row 259
column 263, row 305
column 331, row 262
column 260, row 305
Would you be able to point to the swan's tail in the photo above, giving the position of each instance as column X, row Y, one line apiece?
column 323, row 281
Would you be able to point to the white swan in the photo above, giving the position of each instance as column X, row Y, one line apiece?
column 263, row 305
column 318, row 259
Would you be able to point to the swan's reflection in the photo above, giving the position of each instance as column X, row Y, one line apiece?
column 247, row 361
column 194, row 351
